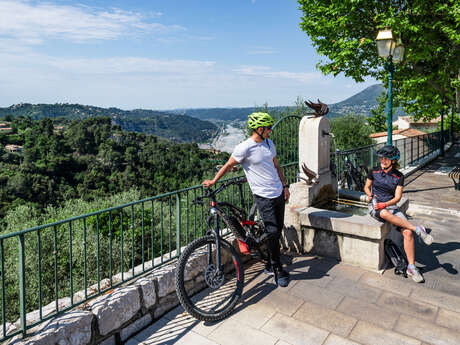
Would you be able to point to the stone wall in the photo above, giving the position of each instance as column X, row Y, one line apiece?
column 112, row 317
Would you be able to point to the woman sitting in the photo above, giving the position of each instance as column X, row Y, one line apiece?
column 384, row 188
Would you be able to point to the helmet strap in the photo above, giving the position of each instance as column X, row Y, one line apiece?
column 261, row 136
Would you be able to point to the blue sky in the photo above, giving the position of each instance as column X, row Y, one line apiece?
column 160, row 54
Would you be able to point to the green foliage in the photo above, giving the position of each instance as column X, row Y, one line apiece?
column 92, row 158
column 378, row 120
column 351, row 131
column 448, row 120
column 344, row 31
column 180, row 128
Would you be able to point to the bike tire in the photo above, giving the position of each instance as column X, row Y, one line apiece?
column 234, row 225
column 199, row 299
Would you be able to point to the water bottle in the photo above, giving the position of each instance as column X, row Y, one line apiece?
column 374, row 200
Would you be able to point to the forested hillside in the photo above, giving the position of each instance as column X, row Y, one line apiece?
column 180, row 128
column 92, row 158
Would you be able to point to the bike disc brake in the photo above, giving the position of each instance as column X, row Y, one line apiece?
column 213, row 277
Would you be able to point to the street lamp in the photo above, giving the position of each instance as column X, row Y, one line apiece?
column 393, row 52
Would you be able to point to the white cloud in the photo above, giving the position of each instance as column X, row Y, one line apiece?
column 267, row 72
column 33, row 23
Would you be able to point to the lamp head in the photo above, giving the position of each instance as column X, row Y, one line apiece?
column 385, row 43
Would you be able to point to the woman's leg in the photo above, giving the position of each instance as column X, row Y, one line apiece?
column 399, row 219
column 409, row 246
column 395, row 220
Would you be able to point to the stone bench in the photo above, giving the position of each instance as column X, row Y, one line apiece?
column 355, row 240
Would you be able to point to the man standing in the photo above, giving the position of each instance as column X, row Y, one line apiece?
column 257, row 155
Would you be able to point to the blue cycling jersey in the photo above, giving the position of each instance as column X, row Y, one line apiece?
column 384, row 184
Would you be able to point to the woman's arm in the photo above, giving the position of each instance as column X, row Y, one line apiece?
column 398, row 196
column 367, row 188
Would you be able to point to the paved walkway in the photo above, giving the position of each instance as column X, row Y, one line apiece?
column 328, row 302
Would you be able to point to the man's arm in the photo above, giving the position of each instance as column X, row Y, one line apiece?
column 227, row 166
column 283, row 180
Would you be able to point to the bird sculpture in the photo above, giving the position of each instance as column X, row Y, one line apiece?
column 311, row 176
column 320, row 108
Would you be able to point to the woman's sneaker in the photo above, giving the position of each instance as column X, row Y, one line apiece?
column 415, row 274
column 425, row 237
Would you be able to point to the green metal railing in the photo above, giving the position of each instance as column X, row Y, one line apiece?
column 412, row 149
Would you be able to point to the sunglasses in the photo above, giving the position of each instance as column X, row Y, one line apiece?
column 268, row 127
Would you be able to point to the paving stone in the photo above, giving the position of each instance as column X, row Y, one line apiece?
column 367, row 333
column 315, row 271
column 254, row 314
column 368, row 312
column 354, row 289
column 161, row 332
column 408, row 306
column 427, row 331
column 135, row 327
column 231, row 332
column 328, row 298
column 347, row 271
column 195, row 339
column 382, row 282
column 437, row 298
column 181, row 317
column 283, row 302
column 333, row 339
column 294, row 331
column 449, row 319
column 327, row 319
column 282, row 342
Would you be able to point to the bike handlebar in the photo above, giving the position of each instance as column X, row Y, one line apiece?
column 210, row 194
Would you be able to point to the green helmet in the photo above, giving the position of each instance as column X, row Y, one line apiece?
column 256, row 120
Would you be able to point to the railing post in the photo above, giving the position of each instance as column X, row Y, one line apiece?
column 412, row 150
column 405, row 153
column 22, row 284
column 2, row 258
column 418, row 147
column 371, row 160
column 178, row 221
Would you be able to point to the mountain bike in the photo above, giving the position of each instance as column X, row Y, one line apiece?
column 209, row 272
column 352, row 177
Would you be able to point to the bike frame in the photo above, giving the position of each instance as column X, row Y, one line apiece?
column 214, row 211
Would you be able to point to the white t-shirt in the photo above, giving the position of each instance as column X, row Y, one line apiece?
column 257, row 162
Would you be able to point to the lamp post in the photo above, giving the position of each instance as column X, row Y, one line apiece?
column 393, row 52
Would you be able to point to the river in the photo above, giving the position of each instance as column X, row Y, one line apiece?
column 227, row 139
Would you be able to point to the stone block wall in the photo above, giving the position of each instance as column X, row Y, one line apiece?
column 113, row 317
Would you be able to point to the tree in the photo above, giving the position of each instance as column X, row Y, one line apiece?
column 447, row 121
column 378, row 120
column 351, row 131
column 344, row 32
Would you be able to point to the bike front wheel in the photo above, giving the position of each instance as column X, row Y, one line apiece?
column 205, row 291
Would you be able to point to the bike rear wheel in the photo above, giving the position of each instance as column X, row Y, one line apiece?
column 205, row 292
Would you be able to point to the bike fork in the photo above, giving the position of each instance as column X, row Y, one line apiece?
column 217, row 238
